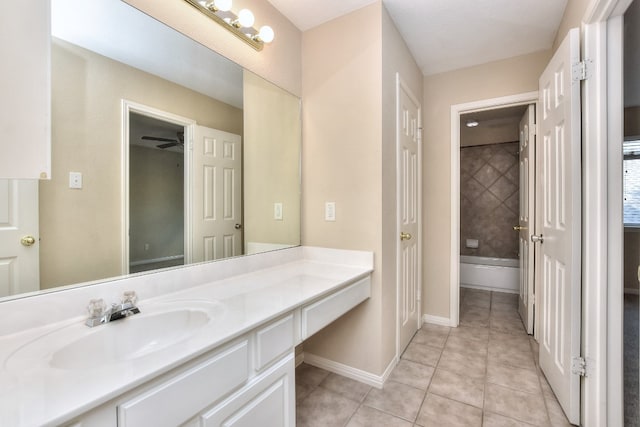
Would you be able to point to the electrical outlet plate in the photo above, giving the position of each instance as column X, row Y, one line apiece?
column 330, row 211
column 277, row 211
column 75, row 180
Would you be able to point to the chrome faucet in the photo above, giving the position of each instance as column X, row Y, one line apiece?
column 99, row 314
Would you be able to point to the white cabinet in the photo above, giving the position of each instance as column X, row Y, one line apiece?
column 174, row 401
column 268, row 402
column 25, row 89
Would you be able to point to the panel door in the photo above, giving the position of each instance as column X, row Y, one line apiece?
column 19, row 263
column 409, row 178
column 526, row 217
column 558, row 224
column 217, row 195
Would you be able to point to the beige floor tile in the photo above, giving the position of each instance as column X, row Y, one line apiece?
column 511, row 326
column 506, row 307
column 311, row 375
column 370, row 417
column 495, row 420
column 511, row 377
column 469, row 364
column 470, row 333
column 458, row 387
column 516, row 342
column 396, row 399
column 511, row 315
column 323, row 408
column 442, row 412
column 429, row 337
column 466, row 346
column 510, row 356
column 504, row 297
column 471, row 301
column 421, row 353
column 436, row 329
column 351, row 389
column 303, row 390
column 411, row 373
column 527, row 407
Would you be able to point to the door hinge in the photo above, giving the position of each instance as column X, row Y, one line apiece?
column 579, row 366
column 581, row 70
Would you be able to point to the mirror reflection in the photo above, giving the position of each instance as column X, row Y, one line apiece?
column 164, row 153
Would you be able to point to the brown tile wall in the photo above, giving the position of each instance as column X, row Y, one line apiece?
column 489, row 197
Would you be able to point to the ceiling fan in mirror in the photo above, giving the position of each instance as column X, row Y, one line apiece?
column 168, row 142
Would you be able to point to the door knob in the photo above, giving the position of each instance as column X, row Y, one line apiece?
column 518, row 228
column 535, row 238
column 405, row 236
column 28, row 241
column 238, row 226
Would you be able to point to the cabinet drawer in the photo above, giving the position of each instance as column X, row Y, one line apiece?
column 180, row 398
column 320, row 313
column 273, row 341
column 269, row 402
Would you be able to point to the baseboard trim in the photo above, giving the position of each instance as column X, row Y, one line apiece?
column 299, row 359
column 632, row 291
column 365, row 377
column 436, row 320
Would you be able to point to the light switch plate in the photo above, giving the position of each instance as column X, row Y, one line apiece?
column 277, row 211
column 75, row 180
column 330, row 211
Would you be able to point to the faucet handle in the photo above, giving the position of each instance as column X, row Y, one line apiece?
column 96, row 307
column 129, row 297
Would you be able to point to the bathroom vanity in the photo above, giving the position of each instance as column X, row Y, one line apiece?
column 213, row 344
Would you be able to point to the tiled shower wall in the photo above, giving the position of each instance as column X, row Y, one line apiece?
column 489, row 196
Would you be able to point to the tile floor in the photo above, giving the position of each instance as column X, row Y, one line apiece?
column 483, row 373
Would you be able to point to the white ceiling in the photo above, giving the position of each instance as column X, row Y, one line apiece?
column 445, row 35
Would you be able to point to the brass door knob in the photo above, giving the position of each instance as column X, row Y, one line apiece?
column 28, row 241
column 405, row 236
column 518, row 228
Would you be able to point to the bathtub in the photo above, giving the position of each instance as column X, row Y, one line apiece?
column 495, row 274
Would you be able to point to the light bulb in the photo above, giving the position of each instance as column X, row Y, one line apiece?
column 266, row 34
column 246, row 18
column 223, row 5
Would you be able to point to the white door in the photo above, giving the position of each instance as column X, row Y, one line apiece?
column 409, row 211
column 19, row 261
column 557, row 274
column 526, row 216
column 216, row 195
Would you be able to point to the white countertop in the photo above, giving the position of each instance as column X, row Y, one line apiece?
column 33, row 393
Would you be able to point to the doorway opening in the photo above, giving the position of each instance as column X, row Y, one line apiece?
column 494, row 165
column 156, row 192
column 497, row 110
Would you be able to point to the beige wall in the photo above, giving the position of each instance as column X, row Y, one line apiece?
column 342, row 110
column 572, row 18
column 271, row 162
column 279, row 62
column 441, row 91
column 80, row 230
column 349, row 67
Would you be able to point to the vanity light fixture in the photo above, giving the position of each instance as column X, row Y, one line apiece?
column 241, row 24
column 472, row 123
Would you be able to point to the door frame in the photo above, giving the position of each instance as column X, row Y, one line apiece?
column 129, row 107
column 602, row 112
column 401, row 84
column 456, row 111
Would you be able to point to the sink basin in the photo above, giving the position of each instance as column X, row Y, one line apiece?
column 78, row 347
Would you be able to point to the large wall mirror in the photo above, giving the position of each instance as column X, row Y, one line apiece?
column 164, row 153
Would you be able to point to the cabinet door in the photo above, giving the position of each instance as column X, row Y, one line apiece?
column 25, row 89
column 269, row 402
